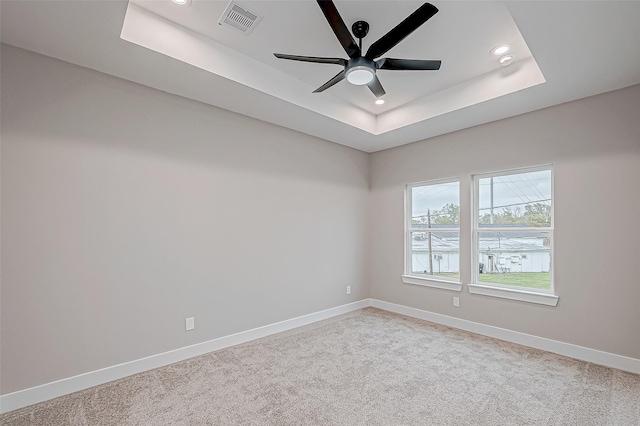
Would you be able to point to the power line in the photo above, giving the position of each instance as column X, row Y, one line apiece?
column 518, row 188
column 532, row 186
column 440, row 188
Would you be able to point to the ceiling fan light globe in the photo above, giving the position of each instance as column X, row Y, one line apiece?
column 360, row 75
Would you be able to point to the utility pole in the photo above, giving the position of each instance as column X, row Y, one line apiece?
column 491, row 216
column 430, row 254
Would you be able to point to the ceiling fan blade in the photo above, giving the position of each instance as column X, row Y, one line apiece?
column 339, row 28
column 402, row 30
column 407, row 64
column 315, row 59
column 338, row 78
column 376, row 87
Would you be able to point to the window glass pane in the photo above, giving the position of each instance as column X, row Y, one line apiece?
column 437, row 204
column 520, row 259
column 436, row 253
column 520, row 199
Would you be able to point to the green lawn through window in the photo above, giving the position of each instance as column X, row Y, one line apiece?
column 539, row 280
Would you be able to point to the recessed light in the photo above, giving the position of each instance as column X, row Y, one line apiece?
column 500, row 50
column 379, row 101
column 506, row 60
column 182, row 2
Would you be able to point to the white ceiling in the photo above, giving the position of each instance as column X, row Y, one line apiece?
column 564, row 51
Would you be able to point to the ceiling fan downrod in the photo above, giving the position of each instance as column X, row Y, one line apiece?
column 360, row 29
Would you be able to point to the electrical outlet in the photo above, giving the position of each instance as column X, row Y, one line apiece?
column 348, row 289
column 456, row 302
column 190, row 322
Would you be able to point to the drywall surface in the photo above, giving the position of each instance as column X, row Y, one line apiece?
column 126, row 210
column 594, row 146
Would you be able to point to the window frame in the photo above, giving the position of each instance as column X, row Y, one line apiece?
column 527, row 294
column 426, row 280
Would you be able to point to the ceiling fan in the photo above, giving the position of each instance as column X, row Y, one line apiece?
column 359, row 69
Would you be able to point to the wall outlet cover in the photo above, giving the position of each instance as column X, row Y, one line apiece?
column 190, row 322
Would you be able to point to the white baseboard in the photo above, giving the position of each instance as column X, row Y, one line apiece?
column 567, row 349
column 34, row 395
column 23, row 398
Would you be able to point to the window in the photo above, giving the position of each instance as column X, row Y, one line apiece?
column 513, row 235
column 508, row 250
column 433, row 234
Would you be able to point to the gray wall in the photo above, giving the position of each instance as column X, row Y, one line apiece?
column 126, row 210
column 594, row 145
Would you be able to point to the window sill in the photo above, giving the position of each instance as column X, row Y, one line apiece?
column 513, row 294
column 432, row 282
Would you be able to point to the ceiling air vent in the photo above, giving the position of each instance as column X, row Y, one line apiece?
column 240, row 18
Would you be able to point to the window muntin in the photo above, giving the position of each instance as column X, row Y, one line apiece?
column 513, row 223
column 433, row 230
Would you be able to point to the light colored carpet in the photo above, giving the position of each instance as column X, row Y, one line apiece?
column 368, row 367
